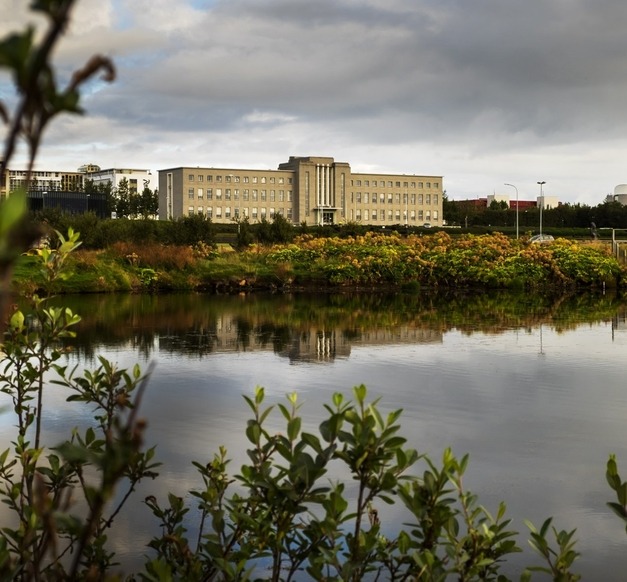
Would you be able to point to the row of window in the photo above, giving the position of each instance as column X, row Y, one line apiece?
column 358, row 197
column 234, row 213
column 255, row 213
column 236, row 179
column 393, row 184
column 234, row 194
column 396, row 215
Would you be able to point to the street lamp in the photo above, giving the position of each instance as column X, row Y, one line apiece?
column 43, row 200
column 514, row 187
column 541, row 205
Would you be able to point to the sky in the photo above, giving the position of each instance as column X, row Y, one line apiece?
column 482, row 93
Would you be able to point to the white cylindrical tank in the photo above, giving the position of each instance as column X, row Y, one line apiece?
column 620, row 194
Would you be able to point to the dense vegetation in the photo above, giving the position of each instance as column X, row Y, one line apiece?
column 372, row 260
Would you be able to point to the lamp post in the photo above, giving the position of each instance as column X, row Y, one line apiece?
column 541, row 205
column 514, row 187
column 43, row 200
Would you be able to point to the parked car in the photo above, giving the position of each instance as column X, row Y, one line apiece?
column 541, row 238
column 426, row 225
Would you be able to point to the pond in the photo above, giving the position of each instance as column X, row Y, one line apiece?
column 533, row 388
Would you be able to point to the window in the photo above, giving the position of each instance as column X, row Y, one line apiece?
column 263, row 181
column 255, row 213
column 435, row 198
column 389, row 183
column 374, row 215
column 236, row 194
column 199, row 211
column 436, row 184
column 420, row 215
column 374, row 197
column 255, row 195
column 357, row 182
column 281, row 195
column 272, row 195
column 218, row 178
column 366, row 182
column 358, row 214
column 428, row 184
column 382, row 214
column 358, row 195
column 390, row 215
column 209, row 193
column 428, row 215
column 420, row 199
column 264, row 211
column 236, row 212
column 398, row 184
column 413, row 184
column 271, row 212
column 420, row 185
column 435, row 215
column 397, row 198
column 428, row 198
column 281, row 180
column 366, row 198
column 289, row 195
column 397, row 216
column 245, row 179
column 246, row 195
column 227, row 194
column 290, row 181
column 289, row 214
column 412, row 215
column 227, row 212
column 218, row 193
column 236, row 179
column 209, row 211
column 190, row 178
column 272, row 180
column 389, row 198
column 254, row 179
column 227, row 178
column 190, row 193
column 190, row 211
column 209, row 178
column 200, row 193
column 218, row 212
column 264, row 195
column 200, row 177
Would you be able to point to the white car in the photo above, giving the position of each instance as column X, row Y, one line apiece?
column 541, row 238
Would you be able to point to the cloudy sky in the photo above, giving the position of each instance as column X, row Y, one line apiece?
column 482, row 92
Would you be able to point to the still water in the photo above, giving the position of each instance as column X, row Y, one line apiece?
column 533, row 388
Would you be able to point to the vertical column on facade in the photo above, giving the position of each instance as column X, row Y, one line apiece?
column 327, row 189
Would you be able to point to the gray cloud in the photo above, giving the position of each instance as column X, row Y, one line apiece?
column 482, row 92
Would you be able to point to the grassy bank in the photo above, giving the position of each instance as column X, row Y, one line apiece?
column 372, row 260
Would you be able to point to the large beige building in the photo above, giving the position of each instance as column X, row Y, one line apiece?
column 313, row 190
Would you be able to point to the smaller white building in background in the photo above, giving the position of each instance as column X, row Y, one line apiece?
column 547, row 202
column 137, row 179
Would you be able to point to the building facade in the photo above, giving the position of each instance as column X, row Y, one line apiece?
column 311, row 190
column 64, row 181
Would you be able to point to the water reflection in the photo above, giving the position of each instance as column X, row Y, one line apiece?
column 465, row 369
column 318, row 328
